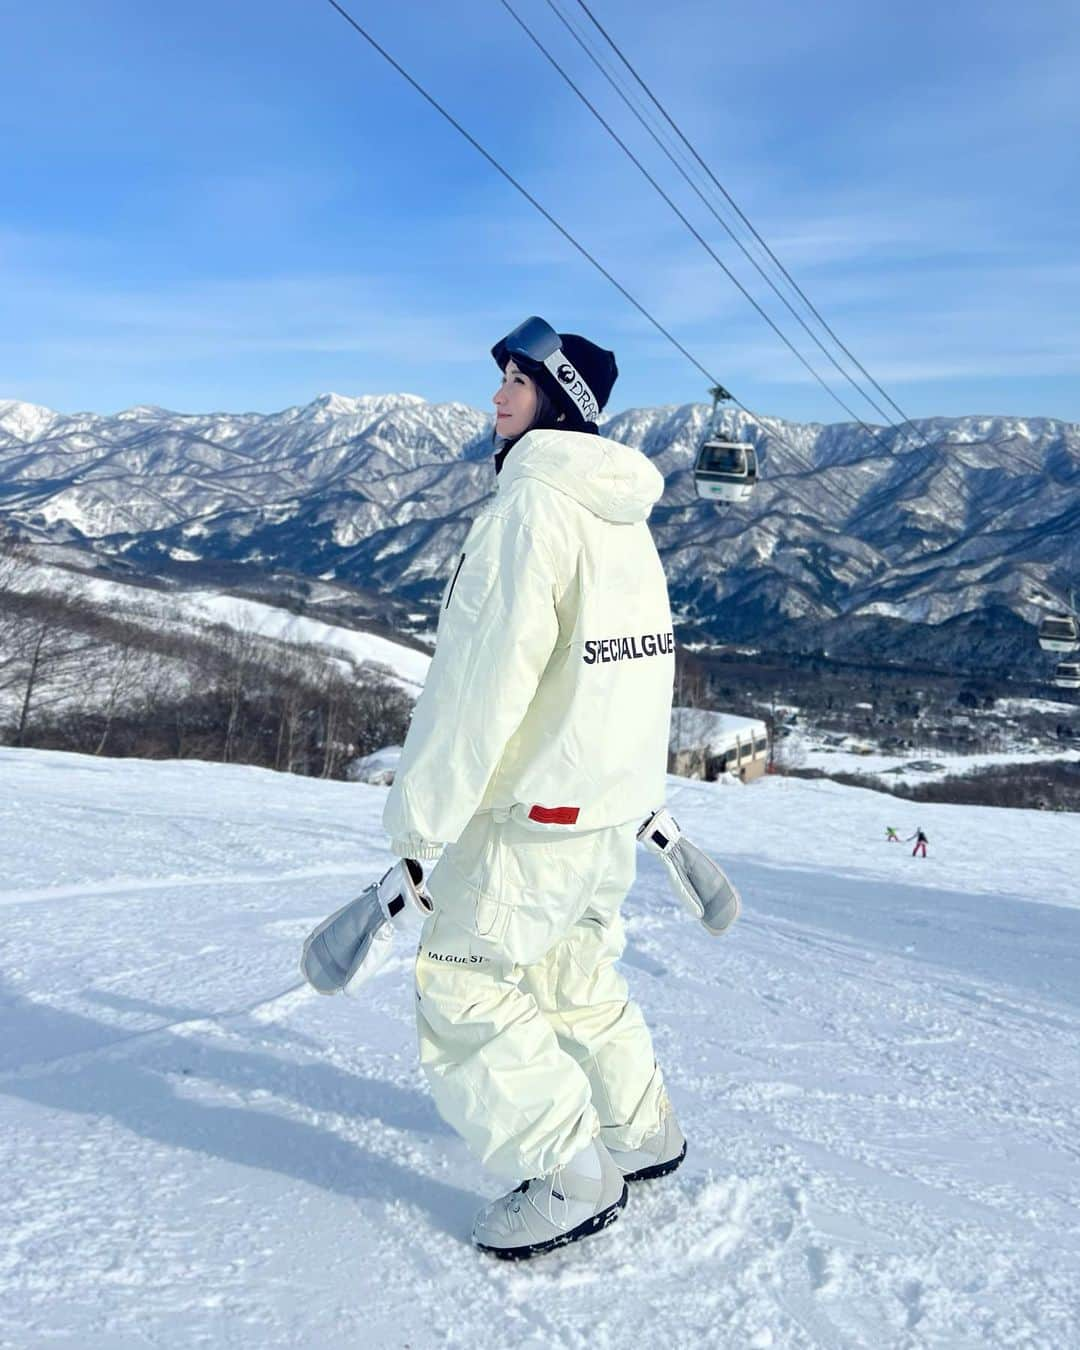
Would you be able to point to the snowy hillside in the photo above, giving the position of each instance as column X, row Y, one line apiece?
column 198, row 609
column 877, row 1072
column 851, row 542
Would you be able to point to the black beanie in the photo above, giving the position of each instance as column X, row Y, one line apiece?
column 594, row 364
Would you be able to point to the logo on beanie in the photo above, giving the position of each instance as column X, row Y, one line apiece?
column 566, row 373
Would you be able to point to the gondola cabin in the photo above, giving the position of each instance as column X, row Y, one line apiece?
column 725, row 471
column 1059, row 633
column 1067, row 675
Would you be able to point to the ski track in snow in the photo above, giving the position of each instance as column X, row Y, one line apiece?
column 877, row 1072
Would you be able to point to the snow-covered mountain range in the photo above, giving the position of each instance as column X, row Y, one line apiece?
column 945, row 541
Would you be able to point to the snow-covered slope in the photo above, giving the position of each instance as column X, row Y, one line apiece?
column 851, row 542
column 198, row 609
column 877, row 1071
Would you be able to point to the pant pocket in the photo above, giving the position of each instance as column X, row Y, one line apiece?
column 468, row 883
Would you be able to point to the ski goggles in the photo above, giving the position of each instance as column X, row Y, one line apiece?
column 535, row 340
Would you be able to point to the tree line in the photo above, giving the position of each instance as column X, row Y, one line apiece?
column 78, row 675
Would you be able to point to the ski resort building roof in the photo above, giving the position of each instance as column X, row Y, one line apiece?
column 713, row 732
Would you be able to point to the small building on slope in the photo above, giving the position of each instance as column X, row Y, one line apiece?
column 706, row 744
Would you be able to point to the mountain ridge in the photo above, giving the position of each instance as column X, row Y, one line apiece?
column 877, row 543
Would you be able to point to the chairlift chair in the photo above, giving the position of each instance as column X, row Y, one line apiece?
column 1059, row 633
column 1067, row 675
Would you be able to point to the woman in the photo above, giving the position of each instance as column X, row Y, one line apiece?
column 537, row 747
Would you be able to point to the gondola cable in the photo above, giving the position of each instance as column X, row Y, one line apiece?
column 669, row 152
column 353, row 23
column 770, row 433
column 906, row 420
column 747, row 476
column 697, row 234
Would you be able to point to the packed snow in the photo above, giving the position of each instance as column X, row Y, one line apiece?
column 878, row 1071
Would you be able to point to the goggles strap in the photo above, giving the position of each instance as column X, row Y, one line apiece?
column 572, row 384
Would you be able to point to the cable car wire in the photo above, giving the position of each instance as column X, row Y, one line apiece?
column 893, row 451
column 698, row 235
column 770, row 434
column 886, row 416
column 906, row 420
column 836, row 489
column 353, row 23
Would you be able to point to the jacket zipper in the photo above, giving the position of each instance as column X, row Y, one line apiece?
column 453, row 583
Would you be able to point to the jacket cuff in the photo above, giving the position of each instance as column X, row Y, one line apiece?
column 412, row 846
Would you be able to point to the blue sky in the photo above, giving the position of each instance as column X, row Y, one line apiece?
column 239, row 206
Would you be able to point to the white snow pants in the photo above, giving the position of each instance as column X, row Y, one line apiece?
column 527, row 1037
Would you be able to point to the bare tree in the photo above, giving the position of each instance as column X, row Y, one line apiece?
column 381, row 712
column 126, row 668
column 336, row 721
column 15, row 560
column 89, row 679
column 49, row 650
column 243, row 657
column 15, row 568
column 292, row 699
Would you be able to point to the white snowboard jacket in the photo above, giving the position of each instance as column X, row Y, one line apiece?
column 549, row 693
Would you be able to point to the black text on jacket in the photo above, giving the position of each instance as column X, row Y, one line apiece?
column 629, row 648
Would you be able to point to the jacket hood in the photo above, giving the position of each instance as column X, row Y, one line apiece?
column 613, row 480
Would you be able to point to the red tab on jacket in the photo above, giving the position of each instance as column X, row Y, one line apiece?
column 555, row 815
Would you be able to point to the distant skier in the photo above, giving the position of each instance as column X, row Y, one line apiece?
column 537, row 747
column 920, row 843
column 891, row 836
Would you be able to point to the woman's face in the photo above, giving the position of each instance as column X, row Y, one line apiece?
column 515, row 401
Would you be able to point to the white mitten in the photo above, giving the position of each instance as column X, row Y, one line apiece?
column 346, row 949
column 699, row 883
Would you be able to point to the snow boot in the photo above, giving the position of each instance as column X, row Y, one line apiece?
column 656, row 1155
column 576, row 1199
